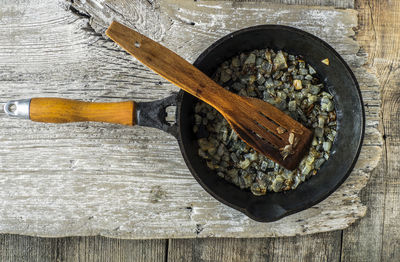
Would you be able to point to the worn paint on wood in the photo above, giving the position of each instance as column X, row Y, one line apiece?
column 89, row 179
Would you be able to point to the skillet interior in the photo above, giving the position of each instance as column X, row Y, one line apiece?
column 337, row 78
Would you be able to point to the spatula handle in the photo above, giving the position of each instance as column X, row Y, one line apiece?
column 59, row 110
column 170, row 66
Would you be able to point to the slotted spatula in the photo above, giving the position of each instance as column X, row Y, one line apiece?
column 261, row 125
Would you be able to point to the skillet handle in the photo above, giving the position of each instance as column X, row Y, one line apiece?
column 153, row 114
column 59, row 110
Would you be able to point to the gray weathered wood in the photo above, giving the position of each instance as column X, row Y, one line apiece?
column 385, row 57
column 89, row 179
column 377, row 236
column 317, row 247
column 17, row 248
column 106, row 249
column 72, row 249
column 335, row 3
column 363, row 240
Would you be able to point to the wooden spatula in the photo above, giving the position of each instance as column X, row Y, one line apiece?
column 261, row 125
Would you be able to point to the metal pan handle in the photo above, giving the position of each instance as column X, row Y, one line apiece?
column 18, row 108
column 154, row 113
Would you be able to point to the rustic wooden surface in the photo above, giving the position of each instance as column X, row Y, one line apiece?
column 94, row 249
column 99, row 179
column 377, row 236
column 373, row 238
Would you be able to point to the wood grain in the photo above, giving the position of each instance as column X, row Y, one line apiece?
column 91, row 179
column 379, row 35
column 73, row 249
column 361, row 242
column 317, row 247
column 59, row 110
column 335, row 3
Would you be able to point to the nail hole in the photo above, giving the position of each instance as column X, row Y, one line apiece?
column 12, row 108
column 137, row 44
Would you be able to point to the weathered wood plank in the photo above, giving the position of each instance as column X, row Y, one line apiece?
column 26, row 249
column 105, row 249
column 89, row 179
column 363, row 240
column 335, row 3
column 317, row 247
column 377, row 237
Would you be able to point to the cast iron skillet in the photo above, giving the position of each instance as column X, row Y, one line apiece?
column 338, row 80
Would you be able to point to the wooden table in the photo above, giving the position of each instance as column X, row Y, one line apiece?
column 375, row 237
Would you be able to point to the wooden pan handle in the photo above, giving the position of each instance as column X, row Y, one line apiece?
column 58, row 110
